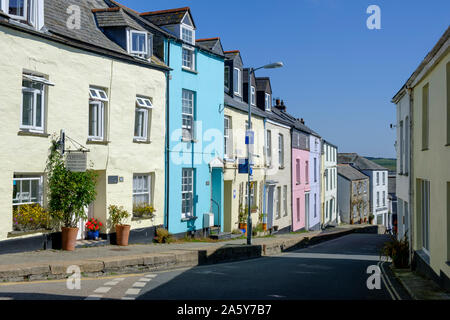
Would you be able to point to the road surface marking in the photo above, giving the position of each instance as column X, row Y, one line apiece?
column 139, row 284
column 128, row 298
column 133, row 292
column 333, row 256
column 144, row 280
column 102, row 290
column 387, row 282
column 150, row 275
column 94, row 297
column 111, row 283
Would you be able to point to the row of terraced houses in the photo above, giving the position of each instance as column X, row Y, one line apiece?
column 163, row 116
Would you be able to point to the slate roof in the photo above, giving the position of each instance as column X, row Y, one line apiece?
column 350, row 173
column 55, row 14
column 211, row 44
column 358, row 162
column 263, row 84
column 242, row 106
column 167, row 17
column 115, row 17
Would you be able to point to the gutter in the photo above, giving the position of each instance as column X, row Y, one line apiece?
column 84, row 46
column 166, row 198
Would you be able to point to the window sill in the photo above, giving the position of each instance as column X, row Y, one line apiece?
column 93, row 141
column 16, row 234
column 33, row 134
column 425, row 149
column 188, row 219
column 229, row 160
column 189, row 70
column 142, row 218
column 139, row 141
column 281, row 167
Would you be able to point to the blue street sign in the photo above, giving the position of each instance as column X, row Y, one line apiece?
column 250, row 137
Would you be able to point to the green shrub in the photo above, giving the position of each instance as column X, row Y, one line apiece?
column 117, row 215
column 163, row 236
column 143, row 210
column 30, row 217
column 236, row 231
column 398, row 251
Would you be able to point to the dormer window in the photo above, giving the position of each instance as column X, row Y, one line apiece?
column 17, row 9
column 253, row 96
column 268, row 102
column 187, row 35
column 237, row 81
column 140, row 44
column 26, row 11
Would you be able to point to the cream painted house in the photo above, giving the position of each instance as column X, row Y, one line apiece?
column 235, row 183
column 429, row 88
column 104, row 99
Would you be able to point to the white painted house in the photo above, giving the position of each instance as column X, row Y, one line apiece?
column 402, row 101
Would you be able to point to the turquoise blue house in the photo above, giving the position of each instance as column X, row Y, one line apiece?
column 195, row 123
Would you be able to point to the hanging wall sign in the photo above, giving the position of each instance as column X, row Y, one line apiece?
column 76, row 161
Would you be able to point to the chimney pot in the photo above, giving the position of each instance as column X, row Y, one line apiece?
column 277, row 101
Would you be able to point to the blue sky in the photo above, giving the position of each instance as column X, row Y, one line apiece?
column 339, row 76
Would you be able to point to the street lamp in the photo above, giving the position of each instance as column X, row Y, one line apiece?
column 249, row 128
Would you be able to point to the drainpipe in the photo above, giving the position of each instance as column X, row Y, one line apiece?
column 167, row 137
column 411, row 174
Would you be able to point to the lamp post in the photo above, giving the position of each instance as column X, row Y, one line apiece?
column 249, row 128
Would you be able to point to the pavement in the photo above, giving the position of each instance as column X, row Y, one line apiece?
column 336, row 269
column 418, row 286
column 107, row 260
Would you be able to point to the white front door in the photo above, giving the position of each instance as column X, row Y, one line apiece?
column 82, row 223
column 270, row 190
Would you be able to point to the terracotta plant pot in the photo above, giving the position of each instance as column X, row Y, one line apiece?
column 122, row 234
column 264, row 226
column 69, row 238
column 243, row 226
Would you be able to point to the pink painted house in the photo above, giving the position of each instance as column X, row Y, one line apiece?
column 300, row 176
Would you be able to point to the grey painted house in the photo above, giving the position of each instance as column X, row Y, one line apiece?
column 353, row 195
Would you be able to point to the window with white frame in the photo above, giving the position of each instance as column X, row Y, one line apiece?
column 378, row 178
column 306, row 172
column 187, row 114
column 298, row 209
column 378, row 198
column 297, row 171
column 18, row 9
column 27, row 190
column 281, row 150
column 315, row 169
column 315, row 205
column 269, row 147
column 384, row 198
column 97, row 112
column 253, row 96
column 188, row 58
column 187, row 193
column 141, row 122
column 384, row 178
column 142, row 187
column 33, row 102
column 187, row 35
column 140, row 43
column 26, row 11
column 278, row 203
column 326, row 179
column 267, row 102
column 285, row 209
column 227, row 135
column 237, row 81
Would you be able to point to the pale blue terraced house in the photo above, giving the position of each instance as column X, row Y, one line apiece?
column 195, row 123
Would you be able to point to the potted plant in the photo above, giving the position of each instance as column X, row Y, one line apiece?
column 371, row 217
column 262, row 218
column 144, row 211
column 93, row 227
column 118, row 215
column 69, row 193
column 243, row 216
